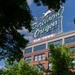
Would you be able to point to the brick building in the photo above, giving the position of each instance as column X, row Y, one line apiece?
column 37, row 50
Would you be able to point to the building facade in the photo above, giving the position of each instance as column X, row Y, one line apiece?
column 38, row 50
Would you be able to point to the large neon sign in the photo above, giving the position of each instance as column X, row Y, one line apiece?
column 49, row 24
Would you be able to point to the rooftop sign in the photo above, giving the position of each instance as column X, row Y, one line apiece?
column 50, row 23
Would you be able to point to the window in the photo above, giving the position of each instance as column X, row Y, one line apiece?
column 39, row 57
column 49, row 54
column 28, row 59
column 40, row 66
column 39, row 47
column 73, row 49
column 28, row 50
column 50, row 66
column 73, row 63
column 70, row 39
column 56, row 43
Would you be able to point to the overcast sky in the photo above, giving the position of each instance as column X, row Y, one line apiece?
column 30, row 2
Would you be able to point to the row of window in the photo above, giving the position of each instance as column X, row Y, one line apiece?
column 36, row 58
column 36, row 48
column 50, row 65
column 41, row 66
column 43, row 46
column 42, row 56
column 39, row 57
column 56, row 43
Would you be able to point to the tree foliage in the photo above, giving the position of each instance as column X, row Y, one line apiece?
column 15, row 14
column 21, row 68
column 52, row 4
column 1, row 71
column 61, row 59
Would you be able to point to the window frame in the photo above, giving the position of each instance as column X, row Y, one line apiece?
column 70, row 39
column 28, row 59
column 39, row 57
column 40, row 47
column 59, row 42
column 28, row 49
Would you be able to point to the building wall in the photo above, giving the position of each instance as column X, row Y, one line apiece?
column 70, row 40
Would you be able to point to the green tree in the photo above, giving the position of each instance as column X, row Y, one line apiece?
column 1, row 71
column 61, row 59
column 21, row 68
column 15, row 14
column 52, row 4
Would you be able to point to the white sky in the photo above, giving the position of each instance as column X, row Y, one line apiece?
column 29, row 2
